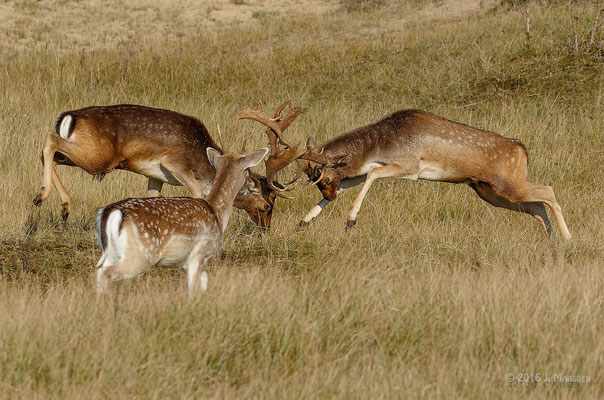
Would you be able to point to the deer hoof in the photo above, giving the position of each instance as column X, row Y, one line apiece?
column 38, row 200
column 303, row 224
column 64, row 215
column 350, row 224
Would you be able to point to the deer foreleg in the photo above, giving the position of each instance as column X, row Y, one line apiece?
column 343, row 185
column 387, row 171
column 316, row 210
column 154, row 187
column 184, row 176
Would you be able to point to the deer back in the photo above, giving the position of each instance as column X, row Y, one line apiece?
column 418, row 136
column 127, row 136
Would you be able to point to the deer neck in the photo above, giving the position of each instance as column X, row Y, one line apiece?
column 222, row 195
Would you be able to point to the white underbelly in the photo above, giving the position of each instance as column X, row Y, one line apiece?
column 368, row 167
column 154, row 169
column 432, row 172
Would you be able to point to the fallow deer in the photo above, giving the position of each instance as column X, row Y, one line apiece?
column 414, row 144
column 135, row 234
column 163, row 145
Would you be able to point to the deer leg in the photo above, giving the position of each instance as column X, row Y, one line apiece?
column 387, row 171
column 65, row 199
column 53, row 144
column 316, row 210
column 186, row 177
column 127, row 267
column 47, row 160
column 123, row 257
column 197, row 278
column 154, row 188
column 545, row 194
column 132, row 262
column 346, row 183
column 536, row 210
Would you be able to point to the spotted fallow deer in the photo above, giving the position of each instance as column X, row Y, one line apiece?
column 414, row 144
column 135, row 234
column 163, row 145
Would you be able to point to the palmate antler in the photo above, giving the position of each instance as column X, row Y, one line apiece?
column 279, row 158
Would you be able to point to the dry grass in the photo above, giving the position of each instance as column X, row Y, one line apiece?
column 433, row 294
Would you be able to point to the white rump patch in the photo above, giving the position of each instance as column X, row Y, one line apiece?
column 65, row 125
column 116, row 240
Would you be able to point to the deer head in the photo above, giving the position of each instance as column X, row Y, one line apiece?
column 322, row 169
column 257, row 199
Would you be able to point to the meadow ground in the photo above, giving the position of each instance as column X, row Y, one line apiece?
column 433, row 294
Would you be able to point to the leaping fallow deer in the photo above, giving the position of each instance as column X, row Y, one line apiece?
column 414, row 144
column 135, row 234
column 163, row 145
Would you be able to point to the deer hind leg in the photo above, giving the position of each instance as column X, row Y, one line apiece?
column 116, row 266
column 65, row 199
column 154, row 188
column 387, row 171
column 523, row 192
column 56, row 181
column 545, row 194
column 123, row 256
column 126, row 268
column 536, row 210
column 197, row 278
column 53, row 144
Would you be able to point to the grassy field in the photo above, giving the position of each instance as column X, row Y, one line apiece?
column 433, row 294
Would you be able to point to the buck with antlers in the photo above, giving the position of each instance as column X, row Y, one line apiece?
column 163, row 145
column 135, row 234
column 414, row 144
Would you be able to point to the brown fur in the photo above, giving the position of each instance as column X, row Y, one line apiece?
column 415, row 144
column 171, row 231
column 129, row 137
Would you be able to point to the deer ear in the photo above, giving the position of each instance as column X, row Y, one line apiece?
column 310, row 143
column 254, row 157
column 342, row 162
column 213, row 156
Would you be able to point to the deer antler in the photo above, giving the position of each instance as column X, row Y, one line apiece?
column 284, row 123
column 278, row 158
column 260, row 116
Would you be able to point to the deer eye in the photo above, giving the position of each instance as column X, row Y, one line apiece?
column 326, row 181
column 266, row 207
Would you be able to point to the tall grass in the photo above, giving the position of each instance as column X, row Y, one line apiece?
column 433, row 294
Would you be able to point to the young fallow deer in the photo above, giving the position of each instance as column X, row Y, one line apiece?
column 163, row 145
column 135, row 234
column 414, row 144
